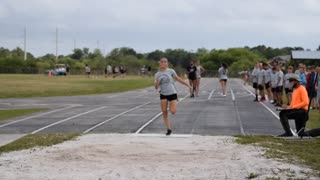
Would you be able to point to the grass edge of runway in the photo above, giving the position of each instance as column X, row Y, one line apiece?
column 37, row 140
column 6, row 114
column 304, row 152
column 27, row 86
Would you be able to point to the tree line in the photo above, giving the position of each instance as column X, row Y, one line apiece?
column 11, row 61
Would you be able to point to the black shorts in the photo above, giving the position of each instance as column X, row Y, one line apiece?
column 267, row 85
column 279, row 89
column 255, row 85
column 192, row 78
column 288, row 90
column 88, row 72
column 274, row 90
column 169, row 97
column 260, row 87
column 225, row 80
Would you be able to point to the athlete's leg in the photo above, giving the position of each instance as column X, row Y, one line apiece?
column 198, row 86
column 173, row 107
column 164, row 107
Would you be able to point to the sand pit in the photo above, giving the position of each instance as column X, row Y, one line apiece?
column 123, row 156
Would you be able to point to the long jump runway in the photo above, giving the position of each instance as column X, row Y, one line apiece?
column 138, row 112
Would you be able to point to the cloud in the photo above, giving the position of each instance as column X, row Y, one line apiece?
column 153, row 24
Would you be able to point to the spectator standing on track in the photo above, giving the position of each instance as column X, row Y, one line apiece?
column 261, row 82
column 297, row 109
column 267, row 75
column 302, row 75
column 286, row 83
column 317, row 87
column 191, row 71
column 274, row 85
column 280, row 76
column 223, row 76
column 312, row 93
column 199, row 71
column 164, row 79
column 88, row 71
column 255, row 80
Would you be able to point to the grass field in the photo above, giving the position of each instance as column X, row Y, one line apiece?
column 37, row 140
column 21, row 86
column 11, row 113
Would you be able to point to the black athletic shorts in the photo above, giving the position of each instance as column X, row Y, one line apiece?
column 267, row 85
column 279, row 89
column 192, row 78
column 169, row 97
column 225, row 80
column 274, row 90
column 260, row 87
column 255, row 85
column 288, row 90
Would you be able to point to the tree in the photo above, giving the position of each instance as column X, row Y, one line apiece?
column 155, row 55
column 85, row 52
column 4, row 53
column 77, row 54
column 17, row 53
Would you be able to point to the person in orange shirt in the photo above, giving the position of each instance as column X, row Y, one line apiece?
column 297, row 110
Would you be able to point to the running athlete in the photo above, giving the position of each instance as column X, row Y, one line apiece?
column 223, row 71
column 255, row 80
column 199, row 71
column 286, row 83
column 191, row 71
column 168, row 92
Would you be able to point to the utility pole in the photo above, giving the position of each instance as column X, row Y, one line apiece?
column 25, row 43
column 74, row 44
column 56, row 44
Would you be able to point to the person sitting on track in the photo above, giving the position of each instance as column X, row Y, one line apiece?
column 297, row 109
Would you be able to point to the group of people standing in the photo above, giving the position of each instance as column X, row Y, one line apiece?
column 301, row 88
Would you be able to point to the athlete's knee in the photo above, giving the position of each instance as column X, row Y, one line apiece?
column 164, row 112
column 173, row 111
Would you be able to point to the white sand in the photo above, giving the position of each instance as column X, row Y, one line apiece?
column 115, row 156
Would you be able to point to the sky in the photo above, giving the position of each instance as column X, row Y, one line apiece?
column 147, row 25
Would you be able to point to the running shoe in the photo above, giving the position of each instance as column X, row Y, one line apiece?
column 169, row 131
column 255, row 100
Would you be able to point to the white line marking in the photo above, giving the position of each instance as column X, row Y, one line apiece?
column 263, row 104
column 90, row 129
column 67, row 119
column 232, row 95
column 211, row 93
column 237, row 112
column 156, row 116
column 13, row 122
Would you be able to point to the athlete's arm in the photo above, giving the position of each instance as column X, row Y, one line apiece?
column 182, row 82
column 156, row 83
column 202, row 70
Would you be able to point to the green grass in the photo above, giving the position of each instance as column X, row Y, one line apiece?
column 305, row 152
column 21, row 86
column 11, row 113
column 37, row 140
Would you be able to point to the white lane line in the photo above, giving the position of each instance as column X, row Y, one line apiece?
column 232, row 95
column 156, row 116
column 90, row 129
column 211, row 93
column 13, row 122
column 67, row 119
column 237, row 112
column 262, row 103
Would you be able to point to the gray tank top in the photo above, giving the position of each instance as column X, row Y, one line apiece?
column 166, row 85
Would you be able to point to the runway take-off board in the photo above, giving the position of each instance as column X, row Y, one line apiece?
column 138, row 112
